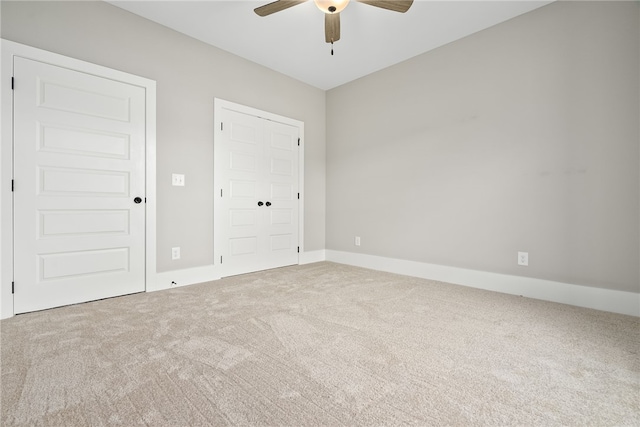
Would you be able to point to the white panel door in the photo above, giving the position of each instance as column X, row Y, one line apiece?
column 257, row 162
column 78, row 166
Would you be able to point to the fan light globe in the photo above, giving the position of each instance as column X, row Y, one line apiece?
column 331, row 6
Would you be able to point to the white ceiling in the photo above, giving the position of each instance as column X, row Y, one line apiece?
column 292, row 41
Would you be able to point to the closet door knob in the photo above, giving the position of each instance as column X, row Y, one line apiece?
column 268, row 203
column 260, row 203
column 137, row 200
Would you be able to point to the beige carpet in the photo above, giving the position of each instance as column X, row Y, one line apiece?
column 320, row 345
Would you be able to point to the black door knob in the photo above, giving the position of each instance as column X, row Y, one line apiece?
column 260, row 203
column 268, row 203
column 137, row 200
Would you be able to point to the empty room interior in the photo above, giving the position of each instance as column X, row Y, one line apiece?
column 320, row 213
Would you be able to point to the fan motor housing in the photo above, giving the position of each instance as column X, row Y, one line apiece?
column 331, row 6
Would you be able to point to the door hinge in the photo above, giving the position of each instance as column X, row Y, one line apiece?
column 221, row 192
column 12, row 185
column 221, row 126
column 13, row 287
column 221, row 260
column 298, row 142
column 298, row 249
column 12, row 83
column 298, row 196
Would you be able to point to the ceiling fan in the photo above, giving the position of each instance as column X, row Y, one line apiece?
column 332, row 9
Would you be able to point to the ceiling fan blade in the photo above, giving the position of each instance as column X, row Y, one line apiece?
column 396, row 5
column 276, row 6
column 331, row 27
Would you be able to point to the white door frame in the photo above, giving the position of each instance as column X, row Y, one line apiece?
column 8, row 51
column 218, row 105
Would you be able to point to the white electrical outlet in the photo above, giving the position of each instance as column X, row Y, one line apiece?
column 175, row 253
column 177, row 179
column 523, row 258
column 356, row 241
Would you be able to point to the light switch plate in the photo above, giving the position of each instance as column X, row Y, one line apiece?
column 177, row 179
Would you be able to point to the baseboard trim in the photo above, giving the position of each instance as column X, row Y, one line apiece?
column 565, row 293
column 184, row 277
column 311, row 257
column 191, row 276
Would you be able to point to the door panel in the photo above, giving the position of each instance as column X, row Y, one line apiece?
column 79, row 161
column 68, row 140
column 83, row 263
column 256, row 161
column 82, row 100
column 82, row 223
column 82, row 182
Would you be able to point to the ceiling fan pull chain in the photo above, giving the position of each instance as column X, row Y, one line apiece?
column 331, row 47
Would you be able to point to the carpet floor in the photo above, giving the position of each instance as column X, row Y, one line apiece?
column 320, row 345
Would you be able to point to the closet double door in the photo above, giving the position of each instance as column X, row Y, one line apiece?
column 256, row 174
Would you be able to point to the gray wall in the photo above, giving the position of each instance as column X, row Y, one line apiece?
column 189, row 74
column 523, row 137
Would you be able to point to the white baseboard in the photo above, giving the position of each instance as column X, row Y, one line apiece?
column 190, row 276
column 311, row 257
column 565, row 293
column 187, row 276
column 581, row 296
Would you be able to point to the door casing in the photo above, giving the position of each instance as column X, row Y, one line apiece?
column 9, row 51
